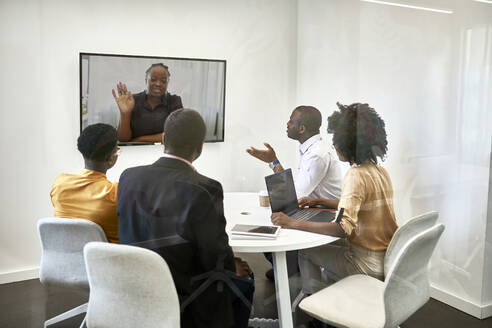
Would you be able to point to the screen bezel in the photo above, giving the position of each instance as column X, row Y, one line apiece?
column 81, row 54
column 286, row 179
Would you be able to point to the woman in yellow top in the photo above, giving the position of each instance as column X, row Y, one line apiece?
column 365, row 220
column 89, row 194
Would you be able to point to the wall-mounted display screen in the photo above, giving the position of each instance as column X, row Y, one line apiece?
column 135, row 94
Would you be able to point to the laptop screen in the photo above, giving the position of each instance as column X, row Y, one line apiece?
column 282, row 193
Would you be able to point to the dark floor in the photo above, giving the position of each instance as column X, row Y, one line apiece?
column 27, row 304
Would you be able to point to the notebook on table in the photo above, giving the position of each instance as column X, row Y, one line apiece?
column 283, row 198
column 246, row 231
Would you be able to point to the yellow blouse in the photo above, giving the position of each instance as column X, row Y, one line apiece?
column 87, row 195
column 368, row 216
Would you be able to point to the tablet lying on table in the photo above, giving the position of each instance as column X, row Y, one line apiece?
column 255, row 231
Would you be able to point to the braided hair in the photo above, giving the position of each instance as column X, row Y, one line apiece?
column 154, row 65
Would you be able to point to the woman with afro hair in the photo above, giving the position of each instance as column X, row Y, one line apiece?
column 365, row 219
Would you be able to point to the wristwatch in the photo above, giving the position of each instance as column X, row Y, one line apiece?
column 272, row 164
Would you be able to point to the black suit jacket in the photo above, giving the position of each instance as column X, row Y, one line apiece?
column 170, row 208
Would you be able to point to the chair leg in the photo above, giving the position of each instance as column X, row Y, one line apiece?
column 297, row 300
column 66, row 315
column 83, row 324
column 295, row 303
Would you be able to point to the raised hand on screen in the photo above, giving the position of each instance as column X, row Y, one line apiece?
column 266, row 155
column 125, row 99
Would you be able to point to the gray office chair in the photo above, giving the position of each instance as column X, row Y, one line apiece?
column 130, row 287
column 401, row 236
column 404, row 233
column 62, row 257
column 360, row 301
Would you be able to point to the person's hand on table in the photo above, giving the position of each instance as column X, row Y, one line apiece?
column 281, row 219
column 266, row 155
column 124, row 100
column 242, row 268
column 307, row 201
column 318, row 202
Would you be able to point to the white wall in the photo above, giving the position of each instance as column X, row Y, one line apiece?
column 429, row 76
column 41, row 41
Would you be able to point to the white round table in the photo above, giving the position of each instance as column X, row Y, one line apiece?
column 244, row 208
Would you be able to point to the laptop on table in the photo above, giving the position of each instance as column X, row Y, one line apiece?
column 283, row 198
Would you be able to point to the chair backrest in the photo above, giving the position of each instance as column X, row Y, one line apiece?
column 404, row 233
column 62, row 250
column 407, row 283
column 130, row 287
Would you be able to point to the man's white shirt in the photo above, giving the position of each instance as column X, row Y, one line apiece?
column 319, row 174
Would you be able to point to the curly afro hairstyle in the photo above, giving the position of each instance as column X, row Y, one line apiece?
column 359, row 133
column 97, row 142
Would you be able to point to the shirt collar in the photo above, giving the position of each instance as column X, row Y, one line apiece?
column 163, row 101
column 308, row 143
column 180, row 159
column 87, row 172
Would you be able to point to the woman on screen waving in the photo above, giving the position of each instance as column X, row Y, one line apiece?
column 142, row 116
column 365, row 220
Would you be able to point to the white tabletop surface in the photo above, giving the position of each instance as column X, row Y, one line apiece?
column 243, row 208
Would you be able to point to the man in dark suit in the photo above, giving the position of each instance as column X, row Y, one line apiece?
column 172, row 209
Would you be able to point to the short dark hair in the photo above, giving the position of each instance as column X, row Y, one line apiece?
column 310, row 117
column 184, row 131
column 97, row 141
column 154, row 65
column 358, row 133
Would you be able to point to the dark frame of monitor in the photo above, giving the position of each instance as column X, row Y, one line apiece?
column 81, row 54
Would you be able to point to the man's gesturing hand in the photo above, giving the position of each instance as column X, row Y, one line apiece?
column 266, row 155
